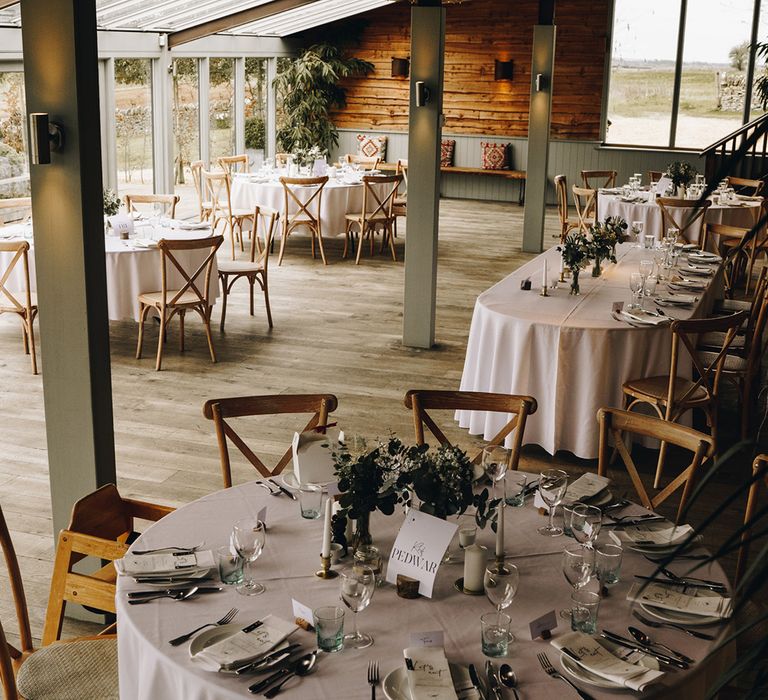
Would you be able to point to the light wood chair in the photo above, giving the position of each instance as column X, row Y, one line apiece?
column 745, row 186
column 23, row 304
column 169, row 302
column 595, row 179
column 167, row 201
column 281, row 159
column 654, row 176
column 234, row 164
column 255, row 269
column 748, row 248
column 615, row 423
column 305, row 196
column 204, row 205
column 419, row 401
column 585, row 202
column 689, row 221
column 732, row 244
column 221, row 410
column 751, row 514
column 377, row 211
column 218, row 188
column 672, row 395
column 400, row 205
column 364, row 162
column 561, row 192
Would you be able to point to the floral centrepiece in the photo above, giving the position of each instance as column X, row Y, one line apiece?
column 307, row 156
column 605, row 236
column 111, row 203
column 681, row 173
column 576, row 252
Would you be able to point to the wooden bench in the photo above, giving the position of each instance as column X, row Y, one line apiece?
column 518, row 175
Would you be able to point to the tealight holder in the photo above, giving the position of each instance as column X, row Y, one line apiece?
column 499, row 567
column 325, row 568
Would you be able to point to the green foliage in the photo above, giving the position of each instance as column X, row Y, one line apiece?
column 131, row 71
column 575, row 250
column 681, row 172
column 111, row 203
column 739, row 56
column 309, row 88
column 255, row 135
column 605, row 236
column 761, row 82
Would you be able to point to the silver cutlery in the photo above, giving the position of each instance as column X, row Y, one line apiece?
column 690, row 579
column 373, row 677
column 225, row 620
column 172, row 580
column 475, row 679
column 645, row 640
column 268, row 662
column 300, row 671
column 265, row 485
column 631, row 323
column 160, row 550
column 654, row 623
column 550, row 670
column 299, row 667
column 508, row 679
column 633, row 644
column 284, row 669
column 288, row 493
column 493, row 681
column 182, row 594
column 140, row 595
column 685, row 583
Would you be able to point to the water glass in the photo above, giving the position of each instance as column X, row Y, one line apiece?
column 567, row 515
column 585, row 523
column 310, row 501
column 329, row 624
column 608, row 563
column 636, row 287
column 584, row 607
column 553, row 484
column 495, row 462
column 514, row 487
column 494, row 633
column 649, row 288
column 230, row 566
column 248, row 539
column 637, row 230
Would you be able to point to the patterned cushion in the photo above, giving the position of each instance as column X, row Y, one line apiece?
column 372, row 146
column 447, row 147
column 495, row 155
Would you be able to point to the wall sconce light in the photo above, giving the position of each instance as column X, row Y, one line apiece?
column 422, row 93
column 44, row 137
column 503, row 70
column 541, row 82
column 400, row 67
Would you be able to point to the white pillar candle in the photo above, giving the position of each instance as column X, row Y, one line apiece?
column 474, row 567
column 544, row 275
column 327, row 528
column 562, row 264
column 500, row 530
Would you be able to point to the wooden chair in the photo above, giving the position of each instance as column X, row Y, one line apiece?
column 614, row 423
column 26, row 306
column 759, row 479
column 218, row 188
column 654, row 176
column 220, row 410
column 585, row 201
column 731, row 244
column 167, row 201
column 400, row 205
column 234, row 164
column 672, row 395
column 519, row 407
column 691, row 225
column 303, row 194
column 364, row 162
column 204, row 205
column 595, row 179
column 377, row 211
column 745, row 186
column 255, row 269
column 170, row 302
column 746, row 255
column 561, row 192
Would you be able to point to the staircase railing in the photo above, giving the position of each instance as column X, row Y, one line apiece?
column 742, row 153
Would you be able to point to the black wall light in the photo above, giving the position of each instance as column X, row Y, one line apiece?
column 400, row 67
column 503, row 70
column 44, row 137
column 422, row 93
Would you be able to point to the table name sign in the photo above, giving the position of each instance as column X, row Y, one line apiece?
column 542, row 626
column 419, row 549
column 663, row 184
column 313, row 456
column 122, row 225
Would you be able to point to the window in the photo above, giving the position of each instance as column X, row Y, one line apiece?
column 255, row 107
column 14, row 164
column 221, row 112
column 186, row 130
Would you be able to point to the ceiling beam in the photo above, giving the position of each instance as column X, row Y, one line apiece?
column 7, row 3
column 237, row 19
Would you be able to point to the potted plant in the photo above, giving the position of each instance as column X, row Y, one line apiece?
column 576, row 251
column 681, row 173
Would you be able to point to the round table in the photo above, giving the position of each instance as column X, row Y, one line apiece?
column 150, row 668
column 566, row 351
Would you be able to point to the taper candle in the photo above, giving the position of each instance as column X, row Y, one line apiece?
column 500, row 530
column 327, row 528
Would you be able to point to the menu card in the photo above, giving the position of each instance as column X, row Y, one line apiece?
column 670, row 598
column 650, row 536
column 142, row 564
column 429, row 676
column 585, row 487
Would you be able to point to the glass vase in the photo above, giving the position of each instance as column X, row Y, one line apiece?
column 575, row 281
column 362, row 535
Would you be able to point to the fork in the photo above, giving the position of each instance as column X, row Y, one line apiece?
column 654, row 623
column 550, row 670
column 223, row 621
column 373, row 677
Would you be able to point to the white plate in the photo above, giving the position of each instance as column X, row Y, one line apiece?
column 681, row 618
column 605, row 496
column 218, row 634
column 582, row 674
column 395, row 683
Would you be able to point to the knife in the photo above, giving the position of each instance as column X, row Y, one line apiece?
column 632, row 644
column 277, row 675
column 138, row 595
column 493, row 682
column 685, row 583
column 283, row 489
column 171, row 580
column 252, row 626
column 269, row 661
column 476, row 682
column 639, row 521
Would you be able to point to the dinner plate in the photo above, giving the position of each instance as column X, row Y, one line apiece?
column 291, row 482
column 582, row 674
column 395, row 683
column 218, row 634
column 681, row 618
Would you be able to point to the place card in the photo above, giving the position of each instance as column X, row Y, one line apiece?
column 302, row 612
column 542, row 626
column 122, row 225
column 663, row 184
column 419, row 549
column 333, row 489
column 585, row 487
column 427, row 639
column 667, row 598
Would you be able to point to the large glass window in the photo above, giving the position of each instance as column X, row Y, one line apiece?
column 186, row 131
column 255, row 107
column 221, row 113
column 283, row 63
column 14, row 165
column 133, row 124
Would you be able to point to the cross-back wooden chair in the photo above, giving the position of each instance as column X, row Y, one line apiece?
column 255, row 269
column 24, row 303
column 400, row 205
column 672, row 395
column 303, row 195
column 420, row 401
column 234, row 164
column 561, row 192
column 729, row 242
column 595, row 179
column 745, row 186
column 377, row 211
column 615, row 423
column 204, row 205
column 220, row 410
column 759, row 481
column 689, row 221
column 218, row 188
column 364, row 162
column 747, row 253
column 585, row 202
column 190, row 297
column 654, row 176
column 168, row 203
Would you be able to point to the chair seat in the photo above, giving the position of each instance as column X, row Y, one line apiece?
column 374, row 218
column 399, row 210
column 239, row 266
column 156, row 298
column 77, row 670
column 656, row 388
column 400, row 201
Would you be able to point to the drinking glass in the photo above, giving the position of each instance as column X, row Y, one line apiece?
column 645, row 268
column 230, row 566
column 310, row 501
column 608, row 563
column 636, row 287
column 495, row 461
column 501, row 589
column 637, row 229
column 467, row 535
column 577, row 569
column 357, row 587
column 649, row 288
column 567, row 514
column 585, row 605
column 585, row 524
column 248, row 538
column 514, row 488
column 329, row 624
column 552, row 486
column 494, row 633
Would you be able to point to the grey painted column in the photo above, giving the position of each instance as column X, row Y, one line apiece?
column 61, row 78
column 239, row 105
column 162, row 122
column 204, row 113
column 539, row 118
column 271, row 108
column 424, row 132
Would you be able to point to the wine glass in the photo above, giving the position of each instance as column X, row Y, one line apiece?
column 585, row 524
column 637, row 229
column 552, row 486
column 636, row 287
column 577, row 569
column 357, row 587
column 495, row 462
column 645, row 268
column 500, row 589
column 248, row 538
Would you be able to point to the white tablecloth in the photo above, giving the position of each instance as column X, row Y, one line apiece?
column 132, row 270
column 743, row 215
column 568, row 352
column 151, row 669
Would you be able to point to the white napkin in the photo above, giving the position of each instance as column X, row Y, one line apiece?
column 682, row 299
column 650, row 536
column 166, row 563
column 687, row 284
column 244, row 647
column 697, row 270
column 430, row 677
column 594, row 657
column 143, row 243
column 585, row 487
column 645, row 318
column 704, row 257
column 670, row 598
column 191, row 225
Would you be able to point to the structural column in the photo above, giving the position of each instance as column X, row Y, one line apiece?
column 424, row 132
column 61, row 79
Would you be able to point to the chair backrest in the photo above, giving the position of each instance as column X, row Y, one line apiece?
column 654, row 176
column 167, row 249
column 220, row 410
column 265, row 220
column 594, row 179
column 519, row 407
column 689, row 221
column 234, row 164
column 614, row 423
column 365, row 162
column 197, row 168
column 374, row 205
column 9, row 301
column 561, row 193
column 217, row 187
column 751, row 514
column 167, row 201
column 402, row 169
column 585, row 202
column 758, row 317
column 305, row 193
column 745, row 186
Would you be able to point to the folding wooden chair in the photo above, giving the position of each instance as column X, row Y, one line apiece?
column 218, row 188
column 167, row 202
column 689, row 222
column 746, row 251
column 561, row 192
column 400, row 205
column 654, row 176
column 26, row 307
column 519, row 407
column 745, row 186
column 376, row 211
column 595, row 179
column 204, row 205
column 220, row 410
column 303, row 194
column 585, row 202
column 234, row 164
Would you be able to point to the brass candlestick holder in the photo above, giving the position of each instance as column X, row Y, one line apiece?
column 562, row 275
column 544, row 292
column 325, row 568
column 499, row 567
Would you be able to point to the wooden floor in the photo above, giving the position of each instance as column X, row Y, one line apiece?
column 337, row 329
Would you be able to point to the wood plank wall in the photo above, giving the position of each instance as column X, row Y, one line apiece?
column 477, row 33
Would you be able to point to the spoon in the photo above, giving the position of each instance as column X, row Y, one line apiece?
column 508, row 678
column 645, row 640
column 303, row 666
column 183, row 594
